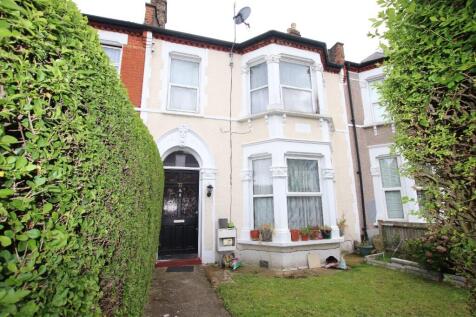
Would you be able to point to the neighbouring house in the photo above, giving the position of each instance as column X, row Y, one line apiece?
column 125, row 44
column 383, row 189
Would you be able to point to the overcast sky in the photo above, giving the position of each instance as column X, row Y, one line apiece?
column 329, row 21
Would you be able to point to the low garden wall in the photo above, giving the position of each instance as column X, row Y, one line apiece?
column 413, row 268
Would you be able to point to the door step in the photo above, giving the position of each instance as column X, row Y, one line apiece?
column 178, row 262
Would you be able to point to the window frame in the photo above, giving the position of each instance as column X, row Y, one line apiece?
column 391, row 189
column 251, row 90
column 370, row 82
column 311, row 90
column 305, row 194
column 116, row 47
column 253, row 196
column 186, row 58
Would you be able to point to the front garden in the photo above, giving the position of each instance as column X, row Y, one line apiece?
column 362, row 291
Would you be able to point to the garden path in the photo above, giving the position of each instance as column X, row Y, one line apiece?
column 183, row 294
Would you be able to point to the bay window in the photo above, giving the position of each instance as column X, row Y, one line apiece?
column 296, row 87
column 391, row 186
column 378, row 111
column 114, row 54
column 259, row 88
column 183, row 85
column 304, row 193
column 262, row 192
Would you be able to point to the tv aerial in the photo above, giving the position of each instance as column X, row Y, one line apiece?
column 238, row 18
column 242, row 15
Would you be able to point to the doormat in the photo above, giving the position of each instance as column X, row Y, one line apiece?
column 186, row 268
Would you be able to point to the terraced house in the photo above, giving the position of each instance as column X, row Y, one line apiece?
column 381, row 189
column 256, row 132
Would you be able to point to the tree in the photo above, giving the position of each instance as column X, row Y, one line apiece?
column 429, row 93
column 80, row 175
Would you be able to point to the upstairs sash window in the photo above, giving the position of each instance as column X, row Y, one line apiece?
column 378, row 111
column 296, row 87
column 259, row 88
column 183, row 85
column 114, row 54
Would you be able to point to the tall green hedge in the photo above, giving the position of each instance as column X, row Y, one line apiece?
column 80, row 176
column 430, row 92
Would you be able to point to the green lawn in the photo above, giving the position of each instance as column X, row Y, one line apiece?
column 363, row 291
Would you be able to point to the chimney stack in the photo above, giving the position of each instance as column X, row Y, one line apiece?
column 293, row 31
column 336, row 53
column 156, row 13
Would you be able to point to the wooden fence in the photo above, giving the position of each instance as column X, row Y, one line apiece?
column 395, row 232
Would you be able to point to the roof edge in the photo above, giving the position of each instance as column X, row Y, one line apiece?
column 221, row 43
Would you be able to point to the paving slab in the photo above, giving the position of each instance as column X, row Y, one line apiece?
column 183, row 294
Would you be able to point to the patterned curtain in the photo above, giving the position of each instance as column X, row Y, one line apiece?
column 304, row 201
column 262, row 193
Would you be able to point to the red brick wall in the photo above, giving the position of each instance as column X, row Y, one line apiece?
column 132, row 66
column 132, row 62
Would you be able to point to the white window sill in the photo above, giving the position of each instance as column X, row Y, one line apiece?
column 376, row 124
column 291, row 244
column 285, row 113
column 181, row 113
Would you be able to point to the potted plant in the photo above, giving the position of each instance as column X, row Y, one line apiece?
column 326, row 232
column 305, row 233
column 266, row 232
column 315, row 233
column 254, row 234
column 365, row 248
column 294, row 234
column 341, row 224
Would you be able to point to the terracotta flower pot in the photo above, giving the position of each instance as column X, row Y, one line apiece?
column 304, row 237
column 294, row 234
column 254, row 235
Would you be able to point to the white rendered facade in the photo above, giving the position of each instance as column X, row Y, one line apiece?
column 277, row 132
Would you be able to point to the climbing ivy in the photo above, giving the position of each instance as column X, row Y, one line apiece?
column 429, row 92
column 80, row 176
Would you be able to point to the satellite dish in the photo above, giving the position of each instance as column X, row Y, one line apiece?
column 242, row 15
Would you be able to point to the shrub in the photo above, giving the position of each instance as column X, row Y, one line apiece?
column 430, row 93
column 80, row 176
column 432, row 251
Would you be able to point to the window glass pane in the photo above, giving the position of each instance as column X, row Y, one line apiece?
column 259, row 100
column 114, row 54
column 393, row 199
column 374, row 92
column 183, row 98
column 263, row 211
column 258, row 76
column 303, row 176
column 180, row 159
column 389, row 172
column 304, row 211
column 295, row 75
column 297, row 100
column 377, row 108
column 262, row 181
column 184, row 73
column 378, row 112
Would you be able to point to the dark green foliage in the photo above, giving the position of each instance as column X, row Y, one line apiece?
column 80, row 176
column 432, row 251
column 431, row 96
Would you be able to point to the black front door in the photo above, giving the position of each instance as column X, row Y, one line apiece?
column 179, row 231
